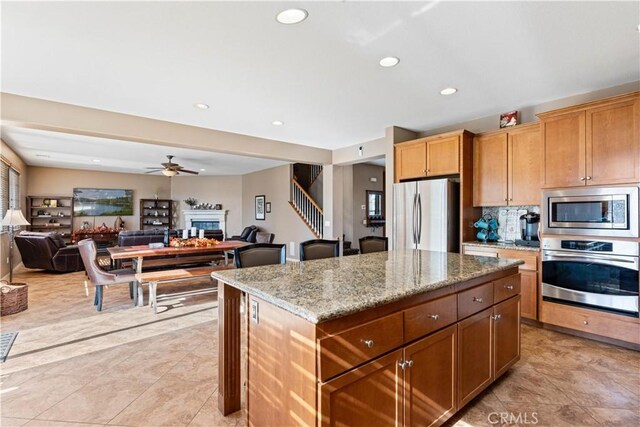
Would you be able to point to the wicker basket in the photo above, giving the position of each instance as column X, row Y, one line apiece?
column 13, row 297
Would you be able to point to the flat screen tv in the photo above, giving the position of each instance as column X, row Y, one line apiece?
column 102, row 202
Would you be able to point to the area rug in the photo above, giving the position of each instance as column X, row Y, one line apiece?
column 6, row 341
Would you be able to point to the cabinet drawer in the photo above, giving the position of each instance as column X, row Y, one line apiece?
column 350, row 348
column 589, row 321
column 506, row 288
column 429, row 317
column 530, row 259
column 474, row 300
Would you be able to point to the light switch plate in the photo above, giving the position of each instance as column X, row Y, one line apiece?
column 254, row 312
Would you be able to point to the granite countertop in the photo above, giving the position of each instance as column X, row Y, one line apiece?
column 502, row 245
column 326, row 289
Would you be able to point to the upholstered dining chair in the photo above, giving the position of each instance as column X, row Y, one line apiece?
column 259, row 254
column 318, row 249
column 100, row 278
column 371, row 244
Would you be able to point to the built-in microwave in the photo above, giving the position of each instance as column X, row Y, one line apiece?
column 591, row 211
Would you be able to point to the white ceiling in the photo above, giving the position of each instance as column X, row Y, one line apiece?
column 321, row 77
column 62, row 150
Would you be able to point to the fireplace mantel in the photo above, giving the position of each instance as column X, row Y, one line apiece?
column 205, row 215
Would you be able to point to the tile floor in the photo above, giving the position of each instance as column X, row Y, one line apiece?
column 72, row 367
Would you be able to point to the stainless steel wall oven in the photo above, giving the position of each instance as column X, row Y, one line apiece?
column 598, row 274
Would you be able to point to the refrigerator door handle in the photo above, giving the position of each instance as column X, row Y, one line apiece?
column 415, row 215
column 419, row 204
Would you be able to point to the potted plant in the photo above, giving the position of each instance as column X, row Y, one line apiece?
column 191, row 202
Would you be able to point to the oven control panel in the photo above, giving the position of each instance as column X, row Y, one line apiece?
column 587, row 245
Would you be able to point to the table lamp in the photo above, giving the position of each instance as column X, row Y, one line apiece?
column 13, row 219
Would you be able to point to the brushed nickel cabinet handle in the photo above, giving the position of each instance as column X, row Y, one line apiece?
column 476, row 299
column 368, row 343
column 583, row 178
column 434, row 316
column 496, row 316
column 402, row 364
column 509, row 287
column 410, row 363
column 586, row 322
column 588, row 178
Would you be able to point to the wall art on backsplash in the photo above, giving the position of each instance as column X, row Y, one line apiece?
column 508, row 119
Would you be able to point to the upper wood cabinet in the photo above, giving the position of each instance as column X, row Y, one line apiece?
column 426, row 157
column 506, row 167
column 411, row 159
column 592, row 144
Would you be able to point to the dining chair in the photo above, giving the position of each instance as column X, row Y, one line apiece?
column 259, row 254
column 100, row 278
column 371, row 244
column 264, row 237
column 318, row 249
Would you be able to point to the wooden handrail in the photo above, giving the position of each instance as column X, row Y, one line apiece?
column 306, row 194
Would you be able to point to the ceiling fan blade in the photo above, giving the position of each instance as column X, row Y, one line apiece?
column 154, row 171
column 188, row 171
column 154, row 167
column 168, row 165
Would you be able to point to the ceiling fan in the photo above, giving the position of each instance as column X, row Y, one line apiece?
column 171, row 169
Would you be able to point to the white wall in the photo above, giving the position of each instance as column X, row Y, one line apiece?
column 274, row 184
column 224, row 190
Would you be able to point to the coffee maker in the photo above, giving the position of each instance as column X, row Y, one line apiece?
column 529, row 223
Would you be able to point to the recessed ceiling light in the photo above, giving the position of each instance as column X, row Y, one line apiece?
column 638, row 29
column 448, row 91
column 389, row 61
column 202, row 170
column 201, row 106
column 96, row 160
column 277, row 123
column 292, row 16
column 45, row 156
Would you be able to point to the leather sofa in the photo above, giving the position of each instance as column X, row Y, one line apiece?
column 47, row 251
column 144, row 237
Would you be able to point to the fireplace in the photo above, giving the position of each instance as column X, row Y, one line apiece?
column 205, row 219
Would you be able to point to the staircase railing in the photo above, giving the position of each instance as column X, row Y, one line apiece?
column 307, row 208
column 314, row 173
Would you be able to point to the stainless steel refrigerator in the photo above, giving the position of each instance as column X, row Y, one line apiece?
column 426, row 215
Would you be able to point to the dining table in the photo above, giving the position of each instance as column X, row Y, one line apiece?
column 138, row 253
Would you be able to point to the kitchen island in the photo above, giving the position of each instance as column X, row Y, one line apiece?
column 400, row 337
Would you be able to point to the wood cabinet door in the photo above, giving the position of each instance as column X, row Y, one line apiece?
column 613, row 144
column 411, row 159
column 490, row 170
column 475, row 355
column 564, row 150
column 430, row 381
column 529, row 294
column 370, row 395
column 443, row 156
column 523, row 168
column 506, row 335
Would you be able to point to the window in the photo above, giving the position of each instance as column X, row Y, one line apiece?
column 9, row 189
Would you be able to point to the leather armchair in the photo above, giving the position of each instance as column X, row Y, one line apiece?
column 47, row 251
column 247, row 235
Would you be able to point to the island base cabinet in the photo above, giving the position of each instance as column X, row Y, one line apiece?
column 475, row 354
column 506, row 335
column 366, row 396
column 430, row 379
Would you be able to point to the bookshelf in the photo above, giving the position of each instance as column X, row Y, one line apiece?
column 156, row 214
column 51, row 213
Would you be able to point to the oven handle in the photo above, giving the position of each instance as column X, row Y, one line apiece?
column 582, row 257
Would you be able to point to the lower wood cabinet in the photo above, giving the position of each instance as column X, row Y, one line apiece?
column 369, row 395
column 425, row 382
column 474, row 356
column 430, row 380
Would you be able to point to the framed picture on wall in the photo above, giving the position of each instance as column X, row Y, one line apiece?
column 267, row 207
column 260, row 208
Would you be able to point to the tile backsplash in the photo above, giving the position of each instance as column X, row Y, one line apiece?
column 493, row 210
